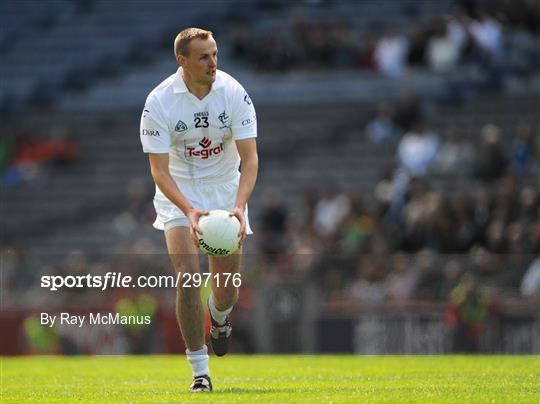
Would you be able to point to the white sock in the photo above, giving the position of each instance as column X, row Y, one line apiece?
column 217, row 315
column 198, row 361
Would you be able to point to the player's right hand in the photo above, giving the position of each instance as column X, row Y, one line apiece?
column 193, row 216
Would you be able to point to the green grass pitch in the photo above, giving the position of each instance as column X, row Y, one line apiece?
column 274, row 378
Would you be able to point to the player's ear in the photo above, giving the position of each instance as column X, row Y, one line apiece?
column 181, row 59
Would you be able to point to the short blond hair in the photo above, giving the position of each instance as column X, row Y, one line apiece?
column 186, row 36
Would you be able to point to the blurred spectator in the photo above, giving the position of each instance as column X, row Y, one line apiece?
column 484, row 265
column 60, row 148
column 515, row 237
column 368, row 286
column 31, row 153
column 455, row 156
column 329, row 212
column 429, row 276
column 381, row 128
column 506, row 204
column 407, row 110
column 304, row 260
column 452, row 272
column 273, row 53
column 534, row 235
column 357, row 230
column 402, row 280
column 416, row 215
column 530, row 285
column 273, row 225
column 472, row 36
column 341, row 44
column 391, row 53
column 391, row 195
column 464, row 232
column 365, row 52
column 416, row 52
column 486, row 33
column 529, row 200
column 468, row 314
column 522, row 55
column 442, row 50
column 441, row 225
column 457, row 29
column 491, row 162
column 418, row 149
column 496, row 241
column 483, row 206
column 522, row 150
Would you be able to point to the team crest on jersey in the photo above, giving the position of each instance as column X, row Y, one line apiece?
column 223, row 118
column 180, row 126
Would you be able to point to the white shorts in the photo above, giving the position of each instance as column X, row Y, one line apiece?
column 206, row 194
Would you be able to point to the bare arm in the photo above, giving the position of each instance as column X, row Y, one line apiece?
column 159, row 167
column 247, row 149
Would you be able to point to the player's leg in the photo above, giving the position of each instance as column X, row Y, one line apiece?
column 222, row 299
column 224, row 291
column 189, row 309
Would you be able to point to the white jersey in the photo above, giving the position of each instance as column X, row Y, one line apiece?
column 198, row 134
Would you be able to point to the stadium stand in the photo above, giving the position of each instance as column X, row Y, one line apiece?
column 79, row 42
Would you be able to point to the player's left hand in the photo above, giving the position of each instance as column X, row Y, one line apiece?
column 239, row 214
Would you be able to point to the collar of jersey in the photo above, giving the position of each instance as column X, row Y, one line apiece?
column 180, row 87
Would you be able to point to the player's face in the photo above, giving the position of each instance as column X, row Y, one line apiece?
column 201, row 64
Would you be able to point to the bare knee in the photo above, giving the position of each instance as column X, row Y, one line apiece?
column 188, row 293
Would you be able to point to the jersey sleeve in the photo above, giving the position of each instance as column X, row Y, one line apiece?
column 244, row 122
column 154, row 132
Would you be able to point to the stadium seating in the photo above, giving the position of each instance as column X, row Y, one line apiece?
column 294, row 147
column 302, row 116
column 78, row 44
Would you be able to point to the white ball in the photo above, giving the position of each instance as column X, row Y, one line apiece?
column 220, row 233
